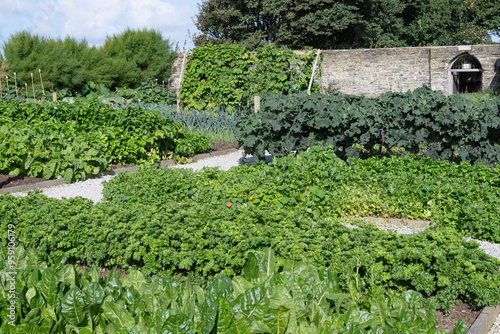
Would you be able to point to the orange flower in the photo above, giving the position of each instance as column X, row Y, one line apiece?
column 229, row 204
column 272, row 205
column 243, row 191
column 251, row 198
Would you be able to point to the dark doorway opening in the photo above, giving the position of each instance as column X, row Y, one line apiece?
column 466, row 75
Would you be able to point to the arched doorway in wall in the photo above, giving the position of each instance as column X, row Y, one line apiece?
column 465, row 75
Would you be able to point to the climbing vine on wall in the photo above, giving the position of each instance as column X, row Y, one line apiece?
column 229, row 75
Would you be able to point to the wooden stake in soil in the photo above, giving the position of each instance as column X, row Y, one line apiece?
column 180, row 83
column 314, row 70
column 54, row 96
column 7, row 79
column 1, row 90
column 26, row 85
column 40, row 71
column 33, row 85
column 256, row 103
column 15, row 84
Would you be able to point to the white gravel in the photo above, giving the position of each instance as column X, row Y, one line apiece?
column 495, row 329
column 91, row 189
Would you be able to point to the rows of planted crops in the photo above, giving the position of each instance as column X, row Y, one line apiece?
column 74, row 140
column 256, row 249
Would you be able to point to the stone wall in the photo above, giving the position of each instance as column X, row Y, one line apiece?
column 371, row 72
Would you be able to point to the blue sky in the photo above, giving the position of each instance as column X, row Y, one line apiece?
column 96, row 19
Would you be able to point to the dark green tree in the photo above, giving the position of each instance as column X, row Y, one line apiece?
column 346, row 23
column 136, row 56
column 60, row 60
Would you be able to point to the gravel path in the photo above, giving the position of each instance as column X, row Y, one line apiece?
column 92, row 189
column 495, row 329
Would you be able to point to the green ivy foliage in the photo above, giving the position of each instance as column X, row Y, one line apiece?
column 229, row 75
column 423, row 122
column 58, row 298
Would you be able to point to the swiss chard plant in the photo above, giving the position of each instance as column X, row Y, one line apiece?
column 53, row 297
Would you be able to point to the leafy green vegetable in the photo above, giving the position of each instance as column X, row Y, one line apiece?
column 199, row 241
column 462, row 196
column 424, row 122
column 84, row 138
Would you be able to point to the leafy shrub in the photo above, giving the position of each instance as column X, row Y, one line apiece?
column 125, row 60
column 420, row 122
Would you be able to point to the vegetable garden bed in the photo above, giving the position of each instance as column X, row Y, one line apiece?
column 9, row 181
column 194, row 234
column 262, row 248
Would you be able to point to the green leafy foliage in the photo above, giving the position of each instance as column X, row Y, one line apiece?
column 422, row 122
column 346, row 24
column 148, row 94
column 299, row 298
column 126, row 60
column 74, row 140
column 216, row 76
column 316, row 182
column 228, row 75
column 145, row 50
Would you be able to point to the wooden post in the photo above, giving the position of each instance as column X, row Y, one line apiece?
column 33, row 86
column 180, row 83
column 54, row 96
column 178, row 101
column 15, row 83
column 256, row 103
column 314, row 70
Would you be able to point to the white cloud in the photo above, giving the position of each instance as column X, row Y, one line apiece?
column 96, row 19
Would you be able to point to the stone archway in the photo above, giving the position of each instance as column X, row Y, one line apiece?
column 465, row 75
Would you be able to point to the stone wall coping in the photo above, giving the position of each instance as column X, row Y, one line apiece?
column 418, row 48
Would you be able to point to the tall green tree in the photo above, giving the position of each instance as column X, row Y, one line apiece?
column 346, row 23
column 60, row 60
column 125, row 60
